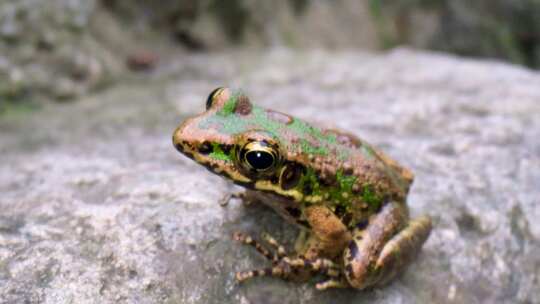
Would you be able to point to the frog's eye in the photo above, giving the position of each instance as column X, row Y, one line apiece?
column 212, row 97
column 259, row 156
column 259, row 160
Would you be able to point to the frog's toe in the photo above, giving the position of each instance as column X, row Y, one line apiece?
column 285, row 266
column 248, row 240
column 331, row 283
column 281, row 270
column 280, row 249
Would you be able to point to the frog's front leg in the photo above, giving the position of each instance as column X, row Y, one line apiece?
column 329, row 235
column 384, row 245
column 284, row 266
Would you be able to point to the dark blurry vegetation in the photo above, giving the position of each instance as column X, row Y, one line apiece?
column 504, row 29
column 59, row 50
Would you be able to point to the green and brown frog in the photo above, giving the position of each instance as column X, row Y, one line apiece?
column 348, row 198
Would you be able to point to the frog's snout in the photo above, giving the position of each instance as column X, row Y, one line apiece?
column 180, row 138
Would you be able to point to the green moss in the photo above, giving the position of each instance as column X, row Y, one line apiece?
column 487, row 28
column 387, row 37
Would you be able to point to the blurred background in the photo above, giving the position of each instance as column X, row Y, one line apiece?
column 61, row 49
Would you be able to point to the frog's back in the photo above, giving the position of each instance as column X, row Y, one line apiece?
column 352, row 172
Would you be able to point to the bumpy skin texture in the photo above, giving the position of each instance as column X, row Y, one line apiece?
column 349, row 196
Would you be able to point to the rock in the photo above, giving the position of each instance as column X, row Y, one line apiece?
column 98, row 207
column 53, row 38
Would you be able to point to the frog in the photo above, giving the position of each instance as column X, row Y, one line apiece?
column 347, row 197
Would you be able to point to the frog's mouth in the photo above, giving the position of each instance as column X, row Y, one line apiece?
column 216, row 163
column 217, row 158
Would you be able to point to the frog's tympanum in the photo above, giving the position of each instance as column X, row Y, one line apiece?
column 348, row 197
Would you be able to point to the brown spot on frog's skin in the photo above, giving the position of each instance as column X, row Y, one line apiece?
column 345, row 138
column 279, row 117
column 243, row 105
column 348, row 168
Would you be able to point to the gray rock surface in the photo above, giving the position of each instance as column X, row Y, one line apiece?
column 98, row 207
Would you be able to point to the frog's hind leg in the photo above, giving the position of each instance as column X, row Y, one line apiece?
column 383, row 246
column 332, row 283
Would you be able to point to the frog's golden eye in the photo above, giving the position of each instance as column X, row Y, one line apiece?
column 259, row 156
column 212, row 97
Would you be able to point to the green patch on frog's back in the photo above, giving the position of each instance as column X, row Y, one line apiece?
column 232, row 124
column 341, row 193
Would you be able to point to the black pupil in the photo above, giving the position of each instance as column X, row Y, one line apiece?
column 211, row 98
column 260, row 160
